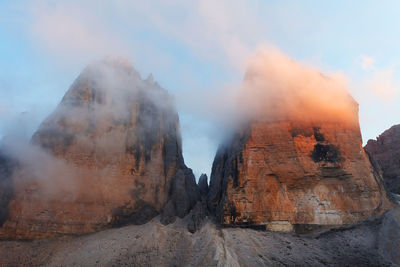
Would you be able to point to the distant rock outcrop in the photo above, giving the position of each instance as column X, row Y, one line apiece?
column 385, row 151
column 182, row 198
column 118, row 139
column 203, row 185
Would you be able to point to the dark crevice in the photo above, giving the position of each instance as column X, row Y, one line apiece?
column 327, row 153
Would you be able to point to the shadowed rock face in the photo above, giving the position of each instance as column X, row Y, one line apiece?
column 203, row 185
column 183, row 196
column 118, row 137
column 385, row 152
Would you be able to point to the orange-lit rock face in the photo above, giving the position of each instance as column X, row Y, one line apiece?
column 287, row 174
column 299, row 160
column 116, row 140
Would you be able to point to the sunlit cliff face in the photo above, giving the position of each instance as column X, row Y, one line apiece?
column 278, row 88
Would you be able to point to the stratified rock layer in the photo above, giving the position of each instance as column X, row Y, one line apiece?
column 293, row 176
column 116, row 139
column 385, row 151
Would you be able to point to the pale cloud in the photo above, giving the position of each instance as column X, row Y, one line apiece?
column 380, row 83
column 277, row 87
column 71, row 32
column 383, row 84
column 367, row 63
column 223, row 31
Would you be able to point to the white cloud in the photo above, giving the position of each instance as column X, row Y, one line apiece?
column 367, row 63
column 380, row 83
column 223, row 31
column 72, row 32
column 383, row 84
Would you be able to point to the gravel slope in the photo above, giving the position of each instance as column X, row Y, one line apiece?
column 154, row 244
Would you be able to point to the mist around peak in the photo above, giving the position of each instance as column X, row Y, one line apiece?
column 276, row 87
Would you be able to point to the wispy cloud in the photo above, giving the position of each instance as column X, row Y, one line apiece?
column 277, row 87
column 223, row 31
column 380, row 82
column 383, row 84
column 70, row 32
column 366, row 62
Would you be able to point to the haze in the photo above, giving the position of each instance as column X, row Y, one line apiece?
column 199, row 52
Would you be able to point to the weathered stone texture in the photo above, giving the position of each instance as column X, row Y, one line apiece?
column 291, row 176
column 385, row 151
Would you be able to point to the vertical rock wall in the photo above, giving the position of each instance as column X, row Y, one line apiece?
column 385, row 151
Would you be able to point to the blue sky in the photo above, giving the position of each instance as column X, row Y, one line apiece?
column 197, row 50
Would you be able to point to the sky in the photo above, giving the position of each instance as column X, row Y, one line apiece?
column 198, row 51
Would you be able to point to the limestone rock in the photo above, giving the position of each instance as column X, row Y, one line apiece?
column 285, row 175
column 183, row 195
column 385, row 151
column 200, row 212
column 115, row 139
column 296, row 162
column 197, row 216
column 203, row 185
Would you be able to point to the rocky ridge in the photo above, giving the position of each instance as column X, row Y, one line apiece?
column 385, row 152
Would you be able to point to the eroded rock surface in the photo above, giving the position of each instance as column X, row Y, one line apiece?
column 385, row 151
column 115, row 158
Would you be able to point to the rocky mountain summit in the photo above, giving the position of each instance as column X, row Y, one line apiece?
column 295, row 164
column 385, row 152
column 115, row 158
